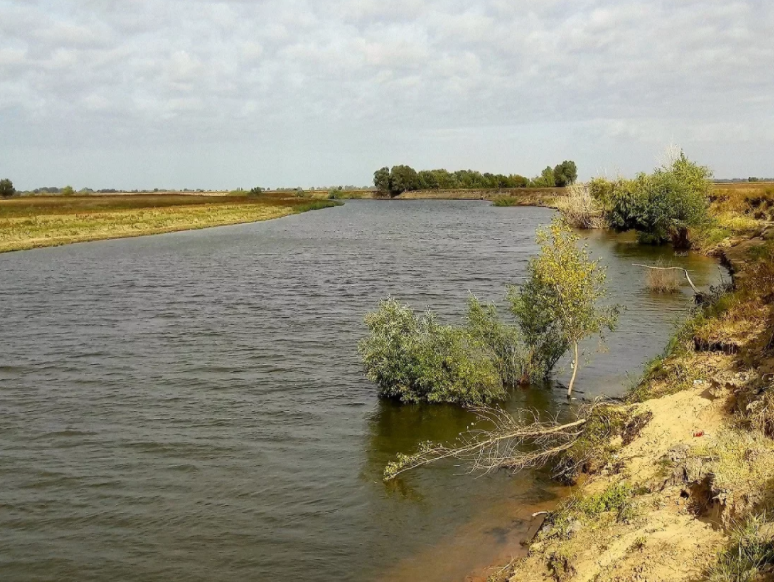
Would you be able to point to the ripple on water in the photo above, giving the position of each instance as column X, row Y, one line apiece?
column 191, row 406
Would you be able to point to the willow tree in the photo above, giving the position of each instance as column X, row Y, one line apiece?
column 569, row 287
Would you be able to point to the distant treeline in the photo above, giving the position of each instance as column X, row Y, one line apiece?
column 401, row 179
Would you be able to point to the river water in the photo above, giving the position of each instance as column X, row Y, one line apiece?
column 190, row 406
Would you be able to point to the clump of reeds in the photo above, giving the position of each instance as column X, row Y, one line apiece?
column 505, row 201
column 662, row 278
column 580, row 209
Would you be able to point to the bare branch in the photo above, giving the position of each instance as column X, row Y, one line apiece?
column 687, row 276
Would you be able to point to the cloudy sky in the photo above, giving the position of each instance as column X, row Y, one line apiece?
column 207, row 94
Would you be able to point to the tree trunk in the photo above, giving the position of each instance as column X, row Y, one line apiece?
column 574, row 370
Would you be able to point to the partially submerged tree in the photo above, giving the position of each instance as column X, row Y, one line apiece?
column 561, row 298
column 501, row 440
column 414, row 358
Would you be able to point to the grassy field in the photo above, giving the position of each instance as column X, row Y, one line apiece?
column 32, row 222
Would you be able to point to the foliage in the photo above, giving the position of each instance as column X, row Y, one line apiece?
column 6, row 188
column 414, row 358
column 403, row 178
column 382, row 179
column 542, row 337
column 565, row 174
column 68, row 191
column 558, row 306
column 661, row 206
column 545, row 180
column 301, row 193
column 257, row 191
column 502, row 341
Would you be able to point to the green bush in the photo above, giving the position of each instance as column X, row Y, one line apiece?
column 413, row 358
column 661, row 206
column 500, row 340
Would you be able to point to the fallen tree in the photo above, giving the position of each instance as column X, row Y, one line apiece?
column 502, row 440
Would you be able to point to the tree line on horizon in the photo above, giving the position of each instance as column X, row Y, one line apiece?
column 402, row 178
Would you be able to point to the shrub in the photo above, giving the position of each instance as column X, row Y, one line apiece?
column 414, row 358
column 502, row 341
column 68, row 191
column 257, row 191
column 334, row 194
column 661, row 206
column 301, row 193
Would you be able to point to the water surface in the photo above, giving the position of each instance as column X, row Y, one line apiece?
column 190, row 406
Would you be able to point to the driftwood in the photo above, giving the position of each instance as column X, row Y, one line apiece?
column 687, row 276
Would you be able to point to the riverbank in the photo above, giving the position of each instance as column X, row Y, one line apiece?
column 687, row 498
column 33, row 222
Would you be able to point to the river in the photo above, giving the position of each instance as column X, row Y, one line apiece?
column 190, row 406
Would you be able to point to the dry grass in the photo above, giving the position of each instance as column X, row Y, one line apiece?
column 663, row 279
column 754, row 200
column 741, row 466
column 580, row 209
column 33, row 222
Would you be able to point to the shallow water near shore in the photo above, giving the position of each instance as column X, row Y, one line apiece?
column 191, row 406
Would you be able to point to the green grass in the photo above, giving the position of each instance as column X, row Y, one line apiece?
column 617, row 502
column 750, row 555
column 505, row 201
column 316, row 205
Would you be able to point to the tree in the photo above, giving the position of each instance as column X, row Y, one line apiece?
column 257, row 191
column 6, row 188
column 545, row 180
column 382, row 179
column 565, row 173
column 565, row 286
column 68, row 191
column 403, row 179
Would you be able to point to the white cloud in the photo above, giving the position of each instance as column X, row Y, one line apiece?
column 365, row 71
